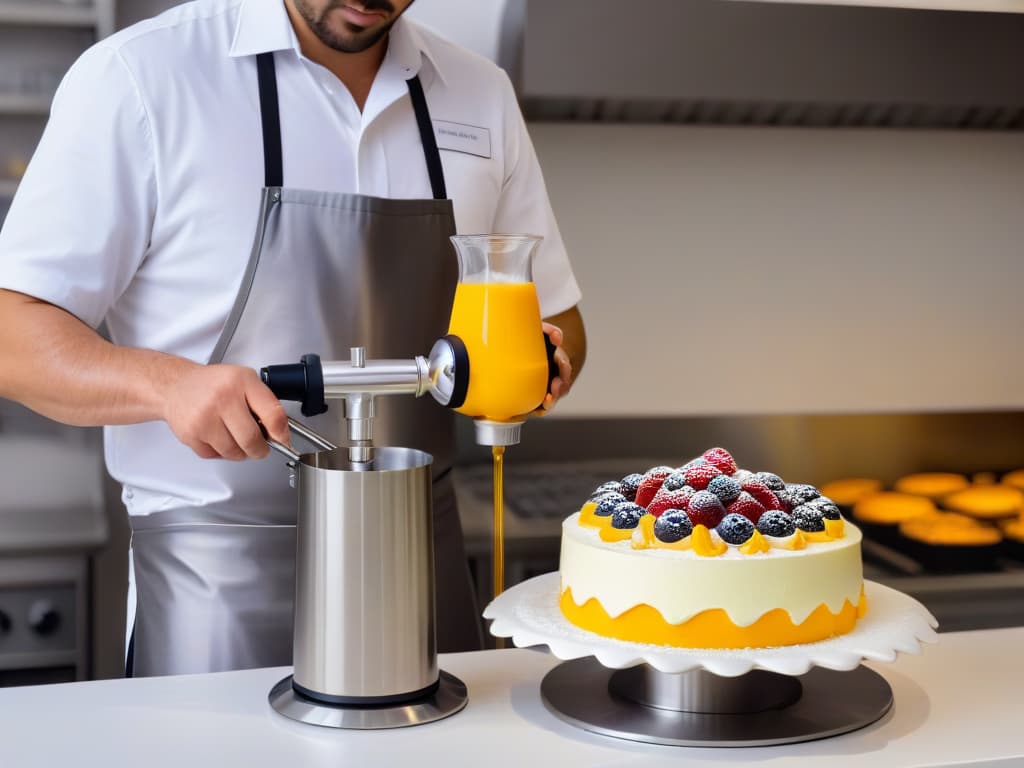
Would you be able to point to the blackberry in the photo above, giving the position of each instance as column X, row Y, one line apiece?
column 808, row 518
column 606, row 504
column 772, row 481
column 672, row 525
column 613, row 486
column 674, row 482
column 775, row 523
column 627, row 515
column 829, row 509
column 629, row 485
column 735, row 529
column 725, row 488
column 801, row 494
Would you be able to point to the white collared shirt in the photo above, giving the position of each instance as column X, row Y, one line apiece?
column 141, row 202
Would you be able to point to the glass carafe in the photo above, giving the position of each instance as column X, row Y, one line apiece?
column 497, row 316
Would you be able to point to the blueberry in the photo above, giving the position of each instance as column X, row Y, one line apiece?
column 725, row 488
column 607, row 502
column 672, row 525
column 735, row 529
column 613, row 486
column 692, row 463
column 829, row 509
column 674, row 482
column 808, row 518
column 775, row 523
column 773, row 482
column 629, row 485
column 627, row 515
column 801, row 494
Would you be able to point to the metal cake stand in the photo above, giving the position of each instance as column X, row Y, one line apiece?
column 713, row 698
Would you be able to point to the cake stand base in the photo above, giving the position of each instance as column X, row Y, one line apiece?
column 700, row 709
column 449, row 698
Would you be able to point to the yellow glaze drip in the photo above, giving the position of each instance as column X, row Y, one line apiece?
column 589, row 519
column 607, row 533
column 835, row 528
column 755, row 544
column 644, row 537
column 704, row 545
column 712, row 628
column 819, row 536
column 799, row 541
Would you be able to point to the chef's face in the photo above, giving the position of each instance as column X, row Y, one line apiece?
column 350, row 26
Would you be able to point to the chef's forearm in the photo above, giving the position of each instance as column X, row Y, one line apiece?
column 574, row 337
column 61, row 368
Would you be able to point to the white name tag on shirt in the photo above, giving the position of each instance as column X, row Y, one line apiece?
column 458, row 137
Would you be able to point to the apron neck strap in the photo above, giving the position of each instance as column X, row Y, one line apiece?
column 273, row 166
column 270, row 114
column 430, row 151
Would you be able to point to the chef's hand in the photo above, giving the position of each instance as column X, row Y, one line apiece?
column 213, row 410
column 561, row 384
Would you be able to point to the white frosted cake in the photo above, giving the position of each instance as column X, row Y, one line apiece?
column 711, row 556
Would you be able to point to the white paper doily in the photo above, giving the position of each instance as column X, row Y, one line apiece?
column 894, row 623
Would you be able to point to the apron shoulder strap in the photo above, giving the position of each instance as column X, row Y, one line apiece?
column 273, row 166
column 430, row 151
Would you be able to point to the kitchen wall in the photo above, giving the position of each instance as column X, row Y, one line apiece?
column 758, row 270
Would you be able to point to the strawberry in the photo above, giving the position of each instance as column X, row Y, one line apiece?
column 699, row 475
column 650, row 485
column 705, row 509
column 665, row 500
column 721, row 460
column 747, row 506
column 762, row 493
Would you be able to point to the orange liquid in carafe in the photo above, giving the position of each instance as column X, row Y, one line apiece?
column 508, row 368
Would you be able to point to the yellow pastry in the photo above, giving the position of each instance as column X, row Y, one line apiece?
column 887, row 508
column 934, row 485
column 848, row 491
column 1014, row 479
column 950, row 529
column 987, row 502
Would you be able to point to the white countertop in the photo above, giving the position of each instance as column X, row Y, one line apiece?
column 958, row 703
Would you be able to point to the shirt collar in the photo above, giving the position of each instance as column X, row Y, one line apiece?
column 262, row 26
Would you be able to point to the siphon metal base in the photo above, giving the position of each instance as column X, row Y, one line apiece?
column 449, row 698
column 699, row 709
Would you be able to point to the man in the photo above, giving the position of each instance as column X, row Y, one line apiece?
column 372, row 140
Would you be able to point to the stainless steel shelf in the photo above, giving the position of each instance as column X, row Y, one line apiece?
column 19, row 104
column 48, row 14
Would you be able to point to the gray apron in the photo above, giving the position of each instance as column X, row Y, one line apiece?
column 215, row 585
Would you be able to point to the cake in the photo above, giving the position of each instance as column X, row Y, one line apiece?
column 708, row 555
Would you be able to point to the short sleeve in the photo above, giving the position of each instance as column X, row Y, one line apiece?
column 524, row 207
column 79, row 224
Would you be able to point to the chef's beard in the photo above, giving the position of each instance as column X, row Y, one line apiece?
column 353, row 39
